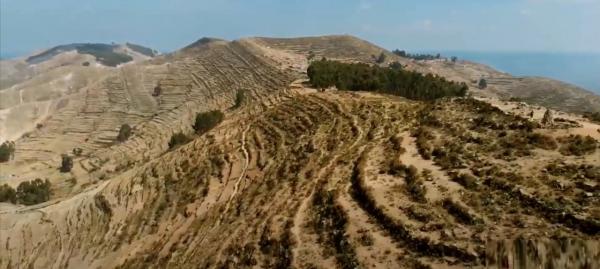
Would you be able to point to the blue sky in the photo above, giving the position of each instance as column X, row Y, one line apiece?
column 435, row 25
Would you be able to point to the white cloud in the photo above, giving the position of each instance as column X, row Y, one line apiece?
column 525, row 12
column 426, row 24
column 365, row 5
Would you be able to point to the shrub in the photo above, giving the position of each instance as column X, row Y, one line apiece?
column 396, row 141
column 420, row 213
column 66, row 164
column 482, row 84
column 7, row 194
column 466, row 180
column 542, row 141
column 207, row 120
column 157, row 91
column 124, row 133
column 396, row 65
column 593, row 116
column 102, row 204
column 240, row 97
column 414, row 184
column 178, row 139
column 424, row 135
column 578, row 145
column 7, row 150
column 77, row 151
column 381, row 58
column 460, row 212
column 330, row 221
column 33, row 192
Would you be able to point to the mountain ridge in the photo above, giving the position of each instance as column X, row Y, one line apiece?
column 293, row 176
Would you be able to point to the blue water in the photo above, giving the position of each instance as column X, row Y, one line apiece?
column 581, row 69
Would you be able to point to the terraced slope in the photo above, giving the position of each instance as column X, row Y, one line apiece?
column 298, row 178
column 90, row 119
column 32, row 89
column 317, row 180
column 535, row 90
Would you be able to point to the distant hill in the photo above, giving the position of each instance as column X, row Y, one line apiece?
column 142, row 50
column 106, row 54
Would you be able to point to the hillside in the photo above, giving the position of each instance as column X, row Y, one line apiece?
column 299, row 177
column 32, row 89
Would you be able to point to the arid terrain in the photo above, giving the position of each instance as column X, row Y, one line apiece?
column 294, row 176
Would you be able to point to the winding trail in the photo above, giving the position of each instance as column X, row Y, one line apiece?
column 242, row 175
column 301, row 216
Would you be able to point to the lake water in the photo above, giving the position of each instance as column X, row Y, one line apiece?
column 581, row 69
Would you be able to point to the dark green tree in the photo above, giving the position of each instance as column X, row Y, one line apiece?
column 66, row 163
column 124, row 133
column 207, row 120
column 7, row 194
column 400, row 53
column 178, row 139
column 396, row 81
column 482, row 84
column 7, row 150
column 33, row 192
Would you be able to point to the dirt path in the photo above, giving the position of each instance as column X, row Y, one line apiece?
column 241, row 177
column 441, row 180
column 301, row 215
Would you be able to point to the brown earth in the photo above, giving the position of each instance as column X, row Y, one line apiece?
column 296, row 177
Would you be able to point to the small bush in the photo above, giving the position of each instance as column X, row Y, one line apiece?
column 420, row 213
column 595, row 116
column 423, row 136
column 66, row 164
column 124, row 133
column 178, row 139
column 578, row 145
column 381, row 58
column 414, row 184
column 466, row 180
column 542, row 141
column 396, row 142
column 7, row 150
column 77, row 151
column 240, row 98
column 482, row 84
column 33, row 192
column 460, row 212
column 330, row 221
column 102, row 204
column 7, row 194
column 157, row 91
column 207, row 120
